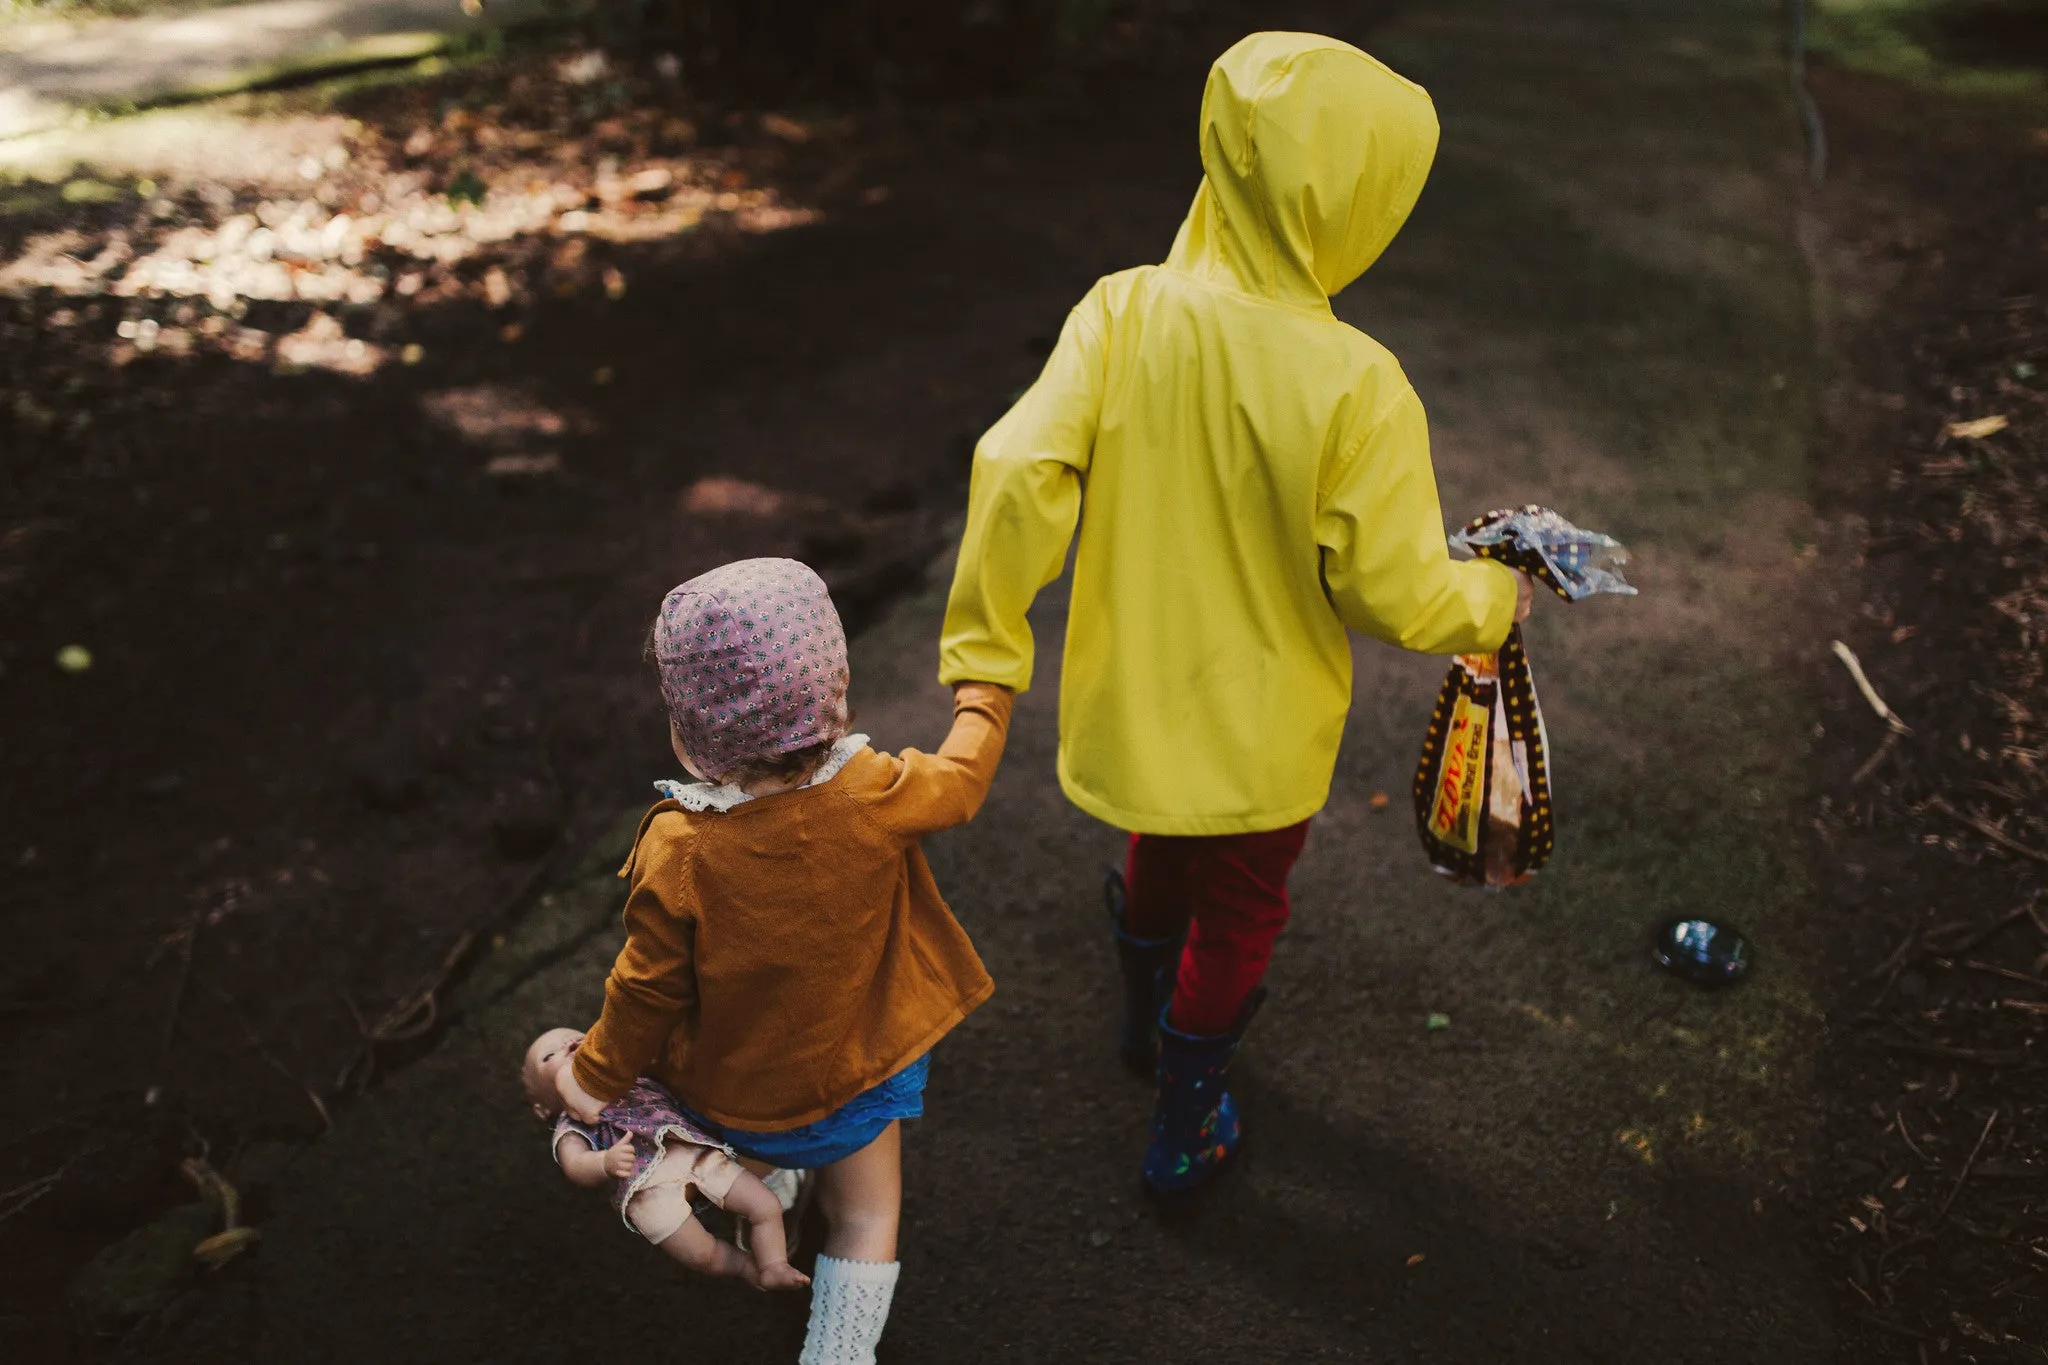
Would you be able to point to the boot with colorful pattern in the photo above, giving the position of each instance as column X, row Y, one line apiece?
column 1196, row 1130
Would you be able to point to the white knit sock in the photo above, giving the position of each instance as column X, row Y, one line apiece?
column 849, row 1309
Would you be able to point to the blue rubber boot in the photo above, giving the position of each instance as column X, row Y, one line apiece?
column 1147, row 966
column 1196, row 1130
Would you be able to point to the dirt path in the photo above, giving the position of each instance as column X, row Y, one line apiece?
column 49, row 68
column 1602, row 301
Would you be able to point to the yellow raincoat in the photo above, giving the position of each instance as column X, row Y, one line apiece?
column 1256, row 473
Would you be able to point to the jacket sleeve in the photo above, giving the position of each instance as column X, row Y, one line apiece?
column 937, row 791
column 1023, row 501
column 653, row 981
column 1386, row 565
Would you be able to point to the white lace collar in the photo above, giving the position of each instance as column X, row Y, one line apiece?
column 723, row 796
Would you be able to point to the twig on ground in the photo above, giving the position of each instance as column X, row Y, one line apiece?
column 1881, row 1324
column 1967, row 1164
column 1855, row 667
column 1889, row 968
column 1978, row 936
column 190, row 942
column 1989, row 831
column 416, row 1013
column 28, row 1192
column 2008, row 973
column 1876, row 760
column 262, row 1050
column 1899, row 1121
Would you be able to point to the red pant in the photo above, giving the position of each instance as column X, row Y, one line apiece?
column 1229, row 891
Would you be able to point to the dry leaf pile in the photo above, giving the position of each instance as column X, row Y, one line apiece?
column 500, row 194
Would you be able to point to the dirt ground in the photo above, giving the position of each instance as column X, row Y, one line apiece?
column 364, row 625
column 1932, row 1193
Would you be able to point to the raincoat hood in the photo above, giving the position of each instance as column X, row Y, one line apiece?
column 1313, row 154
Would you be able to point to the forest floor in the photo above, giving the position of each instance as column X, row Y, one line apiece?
column 353, row 432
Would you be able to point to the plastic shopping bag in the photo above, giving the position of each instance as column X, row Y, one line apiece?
column 1482, row 789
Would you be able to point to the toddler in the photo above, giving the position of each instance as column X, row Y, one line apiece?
column 653, row 1158
column 789, row 962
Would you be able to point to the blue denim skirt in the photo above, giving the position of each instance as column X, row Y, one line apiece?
column 839, row 1134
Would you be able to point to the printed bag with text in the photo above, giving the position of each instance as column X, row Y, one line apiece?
column 1482, row 789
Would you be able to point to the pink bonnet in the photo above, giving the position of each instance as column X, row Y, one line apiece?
column 753, row 663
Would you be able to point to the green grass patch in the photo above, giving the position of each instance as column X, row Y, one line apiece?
column 1985, row 48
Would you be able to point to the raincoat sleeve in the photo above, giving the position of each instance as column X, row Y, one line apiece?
column 654, row 979
column 1023, row 502
column 1386, row 565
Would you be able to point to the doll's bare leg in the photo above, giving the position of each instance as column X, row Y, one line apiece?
column 750, row 1199
column 694, row 1246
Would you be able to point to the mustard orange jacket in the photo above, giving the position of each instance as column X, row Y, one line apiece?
column 786, row 954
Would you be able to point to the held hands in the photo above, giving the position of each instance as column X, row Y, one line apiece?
column 619, row 1158
column 575, row 1099
column 1525, row 596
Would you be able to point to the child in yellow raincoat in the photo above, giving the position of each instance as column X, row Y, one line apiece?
column 1257, row 479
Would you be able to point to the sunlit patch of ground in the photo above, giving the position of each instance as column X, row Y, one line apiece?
column 157, row 234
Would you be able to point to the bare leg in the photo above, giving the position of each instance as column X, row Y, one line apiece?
column 862, row 1199
column 694, row 1246
column 769, row 1266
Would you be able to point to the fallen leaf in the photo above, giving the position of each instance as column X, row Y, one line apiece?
column 1379, row 800
column 1417, row 1259
column 1436, row 1023
column 1976, row 430
column 217, row 1250
column 523, row 466
column 74, row 658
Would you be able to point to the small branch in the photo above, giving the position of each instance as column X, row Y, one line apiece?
column 1972, row 1161
column 1989, row 831
column 21, row 1196
column 262, row 1050
column 2007, row 973
column 1899, row 1121
column 1977, row 937
column 1876, row 760
column 1889, row 968
column 1855, row 667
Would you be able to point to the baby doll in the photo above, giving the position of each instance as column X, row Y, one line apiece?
column 654, row 1157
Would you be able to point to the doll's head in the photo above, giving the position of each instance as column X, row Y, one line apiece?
column 544, row 1060
column 753, row 668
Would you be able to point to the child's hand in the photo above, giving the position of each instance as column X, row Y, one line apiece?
column 1525, row 595
column 619, row 1159
column 575, row 1099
